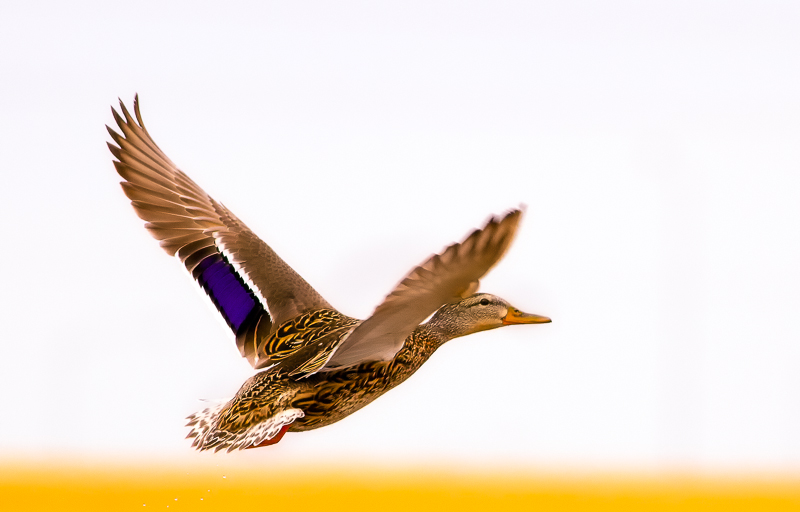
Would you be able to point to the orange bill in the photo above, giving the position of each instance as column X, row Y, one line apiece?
column 515, row 316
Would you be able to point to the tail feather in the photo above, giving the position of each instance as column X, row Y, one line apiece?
column 207, row 434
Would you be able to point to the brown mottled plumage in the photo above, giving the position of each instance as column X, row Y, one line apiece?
column 318, row 365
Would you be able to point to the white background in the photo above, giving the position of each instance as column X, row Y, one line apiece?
column 656, row 146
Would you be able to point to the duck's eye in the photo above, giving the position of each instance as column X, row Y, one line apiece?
column 484, row 302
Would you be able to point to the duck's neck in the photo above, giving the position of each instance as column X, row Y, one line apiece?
column 419, row 346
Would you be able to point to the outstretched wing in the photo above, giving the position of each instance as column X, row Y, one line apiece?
column 444, row 278
column 251, row 286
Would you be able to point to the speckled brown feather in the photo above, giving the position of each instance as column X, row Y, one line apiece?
column 301, row 345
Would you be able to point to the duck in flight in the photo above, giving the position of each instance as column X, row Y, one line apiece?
column 316, row 364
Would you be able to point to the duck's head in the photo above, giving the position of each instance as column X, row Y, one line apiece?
column 479, row 312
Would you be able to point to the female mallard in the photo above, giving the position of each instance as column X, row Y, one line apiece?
column 318, row 364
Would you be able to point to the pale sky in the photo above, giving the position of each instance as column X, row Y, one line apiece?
column 656, row 146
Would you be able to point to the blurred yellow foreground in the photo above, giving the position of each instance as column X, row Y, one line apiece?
column 23, row 487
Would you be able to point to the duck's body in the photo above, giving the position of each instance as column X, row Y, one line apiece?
column 318, row 365
column 324, row 397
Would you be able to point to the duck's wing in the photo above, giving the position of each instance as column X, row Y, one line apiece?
column 444, row 278
column 251, row 286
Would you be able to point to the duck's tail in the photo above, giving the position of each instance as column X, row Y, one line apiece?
column 256, row 416
column 208, row 435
